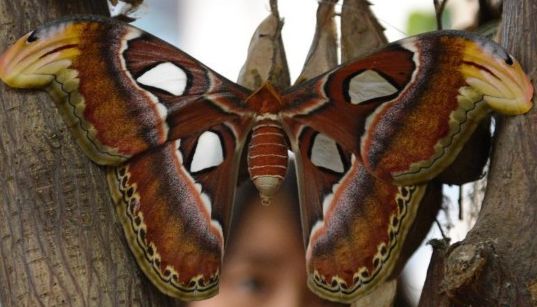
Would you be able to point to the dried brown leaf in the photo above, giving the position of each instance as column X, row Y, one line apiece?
column 322, row 55
column 266, row 60
column 361, row 32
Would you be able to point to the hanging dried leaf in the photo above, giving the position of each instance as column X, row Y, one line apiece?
column 322, row 55
column 266, row 59
column 124, row 10
column 361, row 32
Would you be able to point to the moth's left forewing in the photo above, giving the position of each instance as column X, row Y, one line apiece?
column 410, row 107
column 459, row 78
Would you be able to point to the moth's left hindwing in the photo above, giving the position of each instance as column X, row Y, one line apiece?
column 149, row 110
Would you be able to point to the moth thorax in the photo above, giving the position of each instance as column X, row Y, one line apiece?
column 267, row 158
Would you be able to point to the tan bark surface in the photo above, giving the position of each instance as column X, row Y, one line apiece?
column 60, row 244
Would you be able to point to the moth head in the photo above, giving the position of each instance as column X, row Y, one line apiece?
column 266, row 99
column 497, row 76
column 36, row 57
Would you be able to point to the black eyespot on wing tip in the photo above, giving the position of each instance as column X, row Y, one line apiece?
column 509, row 60
column 32, row 37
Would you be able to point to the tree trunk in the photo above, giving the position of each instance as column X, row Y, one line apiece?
column 496, row 265
column 60, row 241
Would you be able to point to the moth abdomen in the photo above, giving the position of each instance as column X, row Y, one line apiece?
column 267, row 158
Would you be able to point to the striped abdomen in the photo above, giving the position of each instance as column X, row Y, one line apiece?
column 267, row 158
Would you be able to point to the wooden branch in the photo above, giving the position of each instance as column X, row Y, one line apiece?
column 431, row 295
column 439, row 7
column 495, row 264
column 61, row 244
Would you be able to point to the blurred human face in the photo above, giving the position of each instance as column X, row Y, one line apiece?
column 264, row 265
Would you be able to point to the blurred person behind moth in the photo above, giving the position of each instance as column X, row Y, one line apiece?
column 264, row 264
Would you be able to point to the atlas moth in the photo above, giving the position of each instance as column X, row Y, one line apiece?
column 367, row 137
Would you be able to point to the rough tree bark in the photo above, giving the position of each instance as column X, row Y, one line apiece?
column 496, row 265
column 60, row 243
